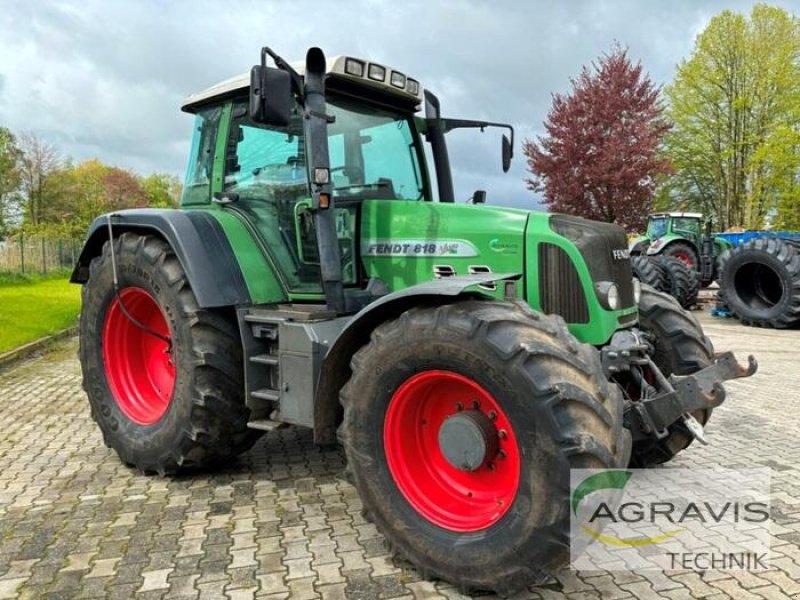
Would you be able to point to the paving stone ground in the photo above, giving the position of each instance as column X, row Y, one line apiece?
column 282, row 522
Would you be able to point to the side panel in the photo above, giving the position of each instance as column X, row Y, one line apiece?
column 258, row 274
column 402, row 242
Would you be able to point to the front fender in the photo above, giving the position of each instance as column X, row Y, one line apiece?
column 336, row 368
column 658, row 244
column 196, row 238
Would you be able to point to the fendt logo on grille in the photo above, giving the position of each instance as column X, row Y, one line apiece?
column 623, row 254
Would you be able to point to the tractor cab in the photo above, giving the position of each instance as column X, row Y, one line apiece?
column 300, row 179
column 677, row 223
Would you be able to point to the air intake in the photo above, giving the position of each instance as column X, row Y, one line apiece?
column 560, row 289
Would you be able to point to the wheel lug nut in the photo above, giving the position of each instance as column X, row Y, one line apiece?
column 476, row 404
column 502, row 434
column 501, row 453
column 490, row 466
column 492, row 415
column 459, row 406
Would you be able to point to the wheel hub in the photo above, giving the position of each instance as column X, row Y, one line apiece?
column 468, row 440
column 451, row 449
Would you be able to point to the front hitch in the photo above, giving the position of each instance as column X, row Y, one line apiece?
column 680, row 395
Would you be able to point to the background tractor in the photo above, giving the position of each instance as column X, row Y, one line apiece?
column 682, row 235
column 466, row 356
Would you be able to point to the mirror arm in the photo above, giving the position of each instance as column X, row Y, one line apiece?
column 297, row 81
column 450, row 124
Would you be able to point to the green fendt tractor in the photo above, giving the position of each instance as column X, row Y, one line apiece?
column 681, row 235
column 466, row 356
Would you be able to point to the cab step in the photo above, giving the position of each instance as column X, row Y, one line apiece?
column 265, row 359
column 265, row 425
column 266, row 394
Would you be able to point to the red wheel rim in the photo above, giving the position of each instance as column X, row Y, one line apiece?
column 139, row 368
column 449, row 497
column 684, row 258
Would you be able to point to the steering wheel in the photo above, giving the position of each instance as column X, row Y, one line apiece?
column 352, row 173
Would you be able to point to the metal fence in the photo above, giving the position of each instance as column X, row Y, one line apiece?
column 32, row 254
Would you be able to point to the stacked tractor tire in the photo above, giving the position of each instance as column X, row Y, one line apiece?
column 669, row 275
column 759, row 282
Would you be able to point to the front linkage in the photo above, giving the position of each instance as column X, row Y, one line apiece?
column 665, row 400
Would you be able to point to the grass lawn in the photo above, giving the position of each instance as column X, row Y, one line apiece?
column 33, row 308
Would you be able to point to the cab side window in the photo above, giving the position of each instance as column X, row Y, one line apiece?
column 197, row 185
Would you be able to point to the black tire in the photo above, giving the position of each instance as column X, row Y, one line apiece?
column 760, row 283
column 694, row 289
column 681, row 348
column 557, row 400
column 205, row 421
column 648, row 271
column 683, row 252
column 678, row 282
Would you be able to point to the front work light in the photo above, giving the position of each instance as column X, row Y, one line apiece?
column 377, row 73
column 398, row 80
column 354, row 67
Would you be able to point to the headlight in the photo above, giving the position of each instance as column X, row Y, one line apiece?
column 612, row 297
column 637, row 290
column 608, row 293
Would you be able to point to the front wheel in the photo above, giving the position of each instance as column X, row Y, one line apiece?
column 163, row 376
column 461, row 447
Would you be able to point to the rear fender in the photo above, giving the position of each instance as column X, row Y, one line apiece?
column 196, row 238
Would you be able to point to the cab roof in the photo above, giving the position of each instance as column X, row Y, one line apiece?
column 345, row 68
column 692, row 215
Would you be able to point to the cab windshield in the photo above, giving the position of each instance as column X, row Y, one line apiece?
column 656, row 227
column 373, row 155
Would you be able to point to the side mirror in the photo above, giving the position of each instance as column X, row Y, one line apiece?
column 479, row 197
column 508, row 152
column 270, row 96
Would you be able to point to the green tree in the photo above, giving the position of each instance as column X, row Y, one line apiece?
column 87, row 190
column 10, row 157
column 163, row 190
column 735, row 105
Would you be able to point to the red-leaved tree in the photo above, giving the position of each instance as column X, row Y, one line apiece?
column 599, row 158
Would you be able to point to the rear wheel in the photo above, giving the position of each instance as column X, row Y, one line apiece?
column 683, row 252
column 681, row 348
column 163, row 376
column 461, row 448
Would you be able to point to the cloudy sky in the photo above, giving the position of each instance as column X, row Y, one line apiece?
column 105, row 79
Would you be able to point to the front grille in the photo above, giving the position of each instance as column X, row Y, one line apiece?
column 560, row 289
column 597, row 242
